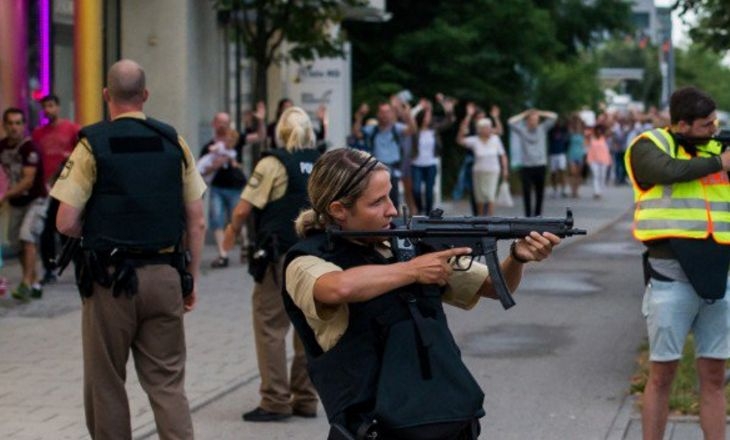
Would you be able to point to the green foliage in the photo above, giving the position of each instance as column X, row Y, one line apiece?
column 484, row 50
column 703, row 68
column 515, row 54
column 712, row 27
column 627, row 53
column 565, row 87
column 263, row 25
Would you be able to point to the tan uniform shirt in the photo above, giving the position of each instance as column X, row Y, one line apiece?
column 329, row 322
column 77, row 179
column 267, row 183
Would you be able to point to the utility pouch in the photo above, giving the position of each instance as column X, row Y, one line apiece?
column 98, row 268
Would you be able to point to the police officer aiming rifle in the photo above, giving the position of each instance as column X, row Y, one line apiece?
column 379, row 350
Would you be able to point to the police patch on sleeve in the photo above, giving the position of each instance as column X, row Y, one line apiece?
column 66, row 169
column 255, row 180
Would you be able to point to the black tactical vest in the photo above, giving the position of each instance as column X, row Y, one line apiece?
column 137, row 199
column 397, row 362
column 274, row 225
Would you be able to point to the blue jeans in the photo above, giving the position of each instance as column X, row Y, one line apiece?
column 222, row 203
column 619, row 167
column 464, row 180
column 423, row 176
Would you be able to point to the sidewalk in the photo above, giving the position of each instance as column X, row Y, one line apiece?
column 40, row 363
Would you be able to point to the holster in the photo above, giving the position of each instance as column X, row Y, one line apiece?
column 187, row 282
column 84, row 280
column 265, row 253
column 123, row 279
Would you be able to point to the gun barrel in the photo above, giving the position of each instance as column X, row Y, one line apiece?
column 450, row 231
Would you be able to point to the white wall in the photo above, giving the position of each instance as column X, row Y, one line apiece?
column 180, row 46
column 323, row 82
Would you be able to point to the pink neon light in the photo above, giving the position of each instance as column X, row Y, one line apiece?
column 44, row 44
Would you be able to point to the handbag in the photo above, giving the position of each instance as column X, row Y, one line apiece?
column 504, row 196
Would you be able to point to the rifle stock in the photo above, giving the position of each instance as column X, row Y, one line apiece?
column 418, row 235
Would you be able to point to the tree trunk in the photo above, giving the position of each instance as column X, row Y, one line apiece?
column 260, row 71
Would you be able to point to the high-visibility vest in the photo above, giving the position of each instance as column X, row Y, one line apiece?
column 693, row 209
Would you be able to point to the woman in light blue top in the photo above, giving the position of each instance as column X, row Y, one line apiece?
column 576, row 153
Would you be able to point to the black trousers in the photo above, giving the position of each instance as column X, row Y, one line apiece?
column 48, row 237
column 533, row 179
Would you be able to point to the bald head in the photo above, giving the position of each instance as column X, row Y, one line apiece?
column 221, row 124
column 126, row 83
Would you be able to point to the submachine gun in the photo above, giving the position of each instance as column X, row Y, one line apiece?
column 723, row 137
column 417, row 235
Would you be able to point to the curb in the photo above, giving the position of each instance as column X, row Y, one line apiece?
column 621, row 420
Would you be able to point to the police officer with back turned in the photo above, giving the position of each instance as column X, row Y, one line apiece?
column 131, row 192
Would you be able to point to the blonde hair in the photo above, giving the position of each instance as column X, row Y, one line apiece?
column 294, row 130
column 332, row 172
column 232, row 137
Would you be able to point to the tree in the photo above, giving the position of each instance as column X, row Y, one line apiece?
column 566, row 87
column 487, row 50
column 712, row 27
column 703, row 68
column 263, row 26
column 627, row 53
column 511, row 53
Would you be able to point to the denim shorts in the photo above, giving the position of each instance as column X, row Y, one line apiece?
column 222, row 203
column 34, row 221
column 672, row 309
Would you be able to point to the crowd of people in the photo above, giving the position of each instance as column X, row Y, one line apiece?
column 544, row 148
column 361, row 317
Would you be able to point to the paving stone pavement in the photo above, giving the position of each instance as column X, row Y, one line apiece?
column 41, row 369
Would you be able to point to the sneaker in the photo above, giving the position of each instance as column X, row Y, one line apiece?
column 219, row 262
column 21, row 293
column 49, row 278
column 36, row 291
column 261, row 415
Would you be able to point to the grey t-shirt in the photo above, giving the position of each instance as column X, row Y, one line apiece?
column 533, row 143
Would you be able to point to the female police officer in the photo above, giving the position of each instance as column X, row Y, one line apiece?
column 379, row 350
column 274, row 195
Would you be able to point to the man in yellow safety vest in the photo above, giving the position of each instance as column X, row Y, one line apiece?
column 682, row 215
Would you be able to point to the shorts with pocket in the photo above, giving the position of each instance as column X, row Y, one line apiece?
column 672, row 309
